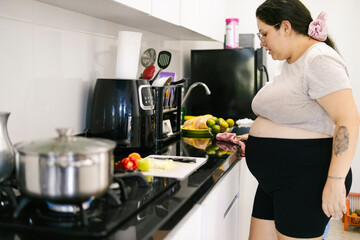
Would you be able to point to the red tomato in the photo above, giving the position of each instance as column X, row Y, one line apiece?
column 135, row 162
column 129, row 163
column 118, row 165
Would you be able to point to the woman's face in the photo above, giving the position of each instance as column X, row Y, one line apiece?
column 271, row 40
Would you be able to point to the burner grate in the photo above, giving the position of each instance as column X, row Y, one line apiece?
column 7, row 195
column 127, row 197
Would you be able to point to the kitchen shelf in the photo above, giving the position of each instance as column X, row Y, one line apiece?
column 170, row 110
column 112, row 11
column 173, row 114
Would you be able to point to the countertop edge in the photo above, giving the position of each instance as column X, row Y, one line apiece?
column 196, row 198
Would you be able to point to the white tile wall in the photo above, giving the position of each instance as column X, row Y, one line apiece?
column 50, row 59
column 16, row 75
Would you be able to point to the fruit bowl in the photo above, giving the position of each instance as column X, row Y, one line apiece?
column 214, row 132
column 219, row 125
column 197, row 133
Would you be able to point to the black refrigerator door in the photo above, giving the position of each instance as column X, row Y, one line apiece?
column 230, row 75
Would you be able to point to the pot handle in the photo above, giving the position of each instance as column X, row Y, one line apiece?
column 64, row 163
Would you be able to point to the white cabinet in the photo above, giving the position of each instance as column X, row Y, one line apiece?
column 189, row 227
column 217, row 216
column 204, row 16
column 141, row 5
column 194, row 14
column 166, row 10
column 230, row 224
column 248, row 186
column 179, row 19
column 221, row 208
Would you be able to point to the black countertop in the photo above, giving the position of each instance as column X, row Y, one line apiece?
column 162, row 214
column 154, row 210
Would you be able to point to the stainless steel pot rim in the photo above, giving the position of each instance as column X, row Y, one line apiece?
column 66, row 144
column 26, row 148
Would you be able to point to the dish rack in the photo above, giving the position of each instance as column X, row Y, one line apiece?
column 352, row 203
column 167, row 113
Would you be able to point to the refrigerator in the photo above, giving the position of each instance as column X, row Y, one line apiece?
column 233, row 76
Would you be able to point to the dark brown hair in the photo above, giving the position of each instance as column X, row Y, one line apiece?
column 273, row 12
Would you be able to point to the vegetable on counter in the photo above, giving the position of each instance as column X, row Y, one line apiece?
column 134, row 162
column 129, row 163
column 144, row 164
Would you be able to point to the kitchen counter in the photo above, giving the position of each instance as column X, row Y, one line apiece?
column 161, row 215
column 153, row 211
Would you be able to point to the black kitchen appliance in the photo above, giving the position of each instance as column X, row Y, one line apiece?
column 234, row 77
column 167, row 111
column 122, row 110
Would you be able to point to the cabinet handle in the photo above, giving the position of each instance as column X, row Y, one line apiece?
column 230, row 206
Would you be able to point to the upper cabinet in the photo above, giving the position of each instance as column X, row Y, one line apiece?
column 166, row 10
column 179, row 19
column 141, row 5
column 206, row 17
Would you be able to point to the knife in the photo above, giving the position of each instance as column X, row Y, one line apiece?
column 176, row 159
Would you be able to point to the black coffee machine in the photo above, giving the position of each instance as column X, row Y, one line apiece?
column 122, row 110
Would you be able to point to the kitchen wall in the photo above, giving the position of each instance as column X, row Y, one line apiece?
column 49, row 62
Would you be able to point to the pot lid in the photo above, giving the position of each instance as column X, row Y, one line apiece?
column 66, row 143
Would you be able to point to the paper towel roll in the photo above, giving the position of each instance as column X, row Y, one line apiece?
column 128, row 52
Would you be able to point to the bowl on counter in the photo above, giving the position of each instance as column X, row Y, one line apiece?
column 196, row 133
column 213, row 133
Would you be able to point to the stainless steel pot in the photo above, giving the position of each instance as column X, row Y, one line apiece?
column 65, row 169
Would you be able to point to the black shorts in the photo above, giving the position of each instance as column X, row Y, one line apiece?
column 291, row 175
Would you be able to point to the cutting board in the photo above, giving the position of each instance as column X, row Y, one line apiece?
column 179, row 171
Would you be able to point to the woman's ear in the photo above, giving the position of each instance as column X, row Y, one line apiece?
column 286, row 25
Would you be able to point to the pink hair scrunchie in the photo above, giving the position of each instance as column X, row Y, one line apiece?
column 318, row 29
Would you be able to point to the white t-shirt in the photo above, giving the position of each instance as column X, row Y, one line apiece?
column 290, row 99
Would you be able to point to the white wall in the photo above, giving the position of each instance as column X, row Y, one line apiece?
column 50, row 59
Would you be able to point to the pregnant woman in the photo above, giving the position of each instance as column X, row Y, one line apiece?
column 301, row 145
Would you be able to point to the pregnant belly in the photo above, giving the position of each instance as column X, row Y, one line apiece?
column 263, row 127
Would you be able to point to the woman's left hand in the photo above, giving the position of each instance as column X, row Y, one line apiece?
column 334, row 198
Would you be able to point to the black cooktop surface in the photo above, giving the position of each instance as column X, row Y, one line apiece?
column 95, row 218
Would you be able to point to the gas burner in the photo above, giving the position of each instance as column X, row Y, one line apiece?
column 127, row 196
column 8, row 195
column 68, row 215
column 68, row 208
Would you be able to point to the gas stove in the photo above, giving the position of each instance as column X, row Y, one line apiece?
column 98, row 217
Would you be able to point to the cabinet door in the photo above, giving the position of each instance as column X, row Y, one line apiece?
column 206, row 17
column 166, row 10
column 220, row 207
column 189, row 227
column 141, row 5
column 198, row 15
column 231, row 220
